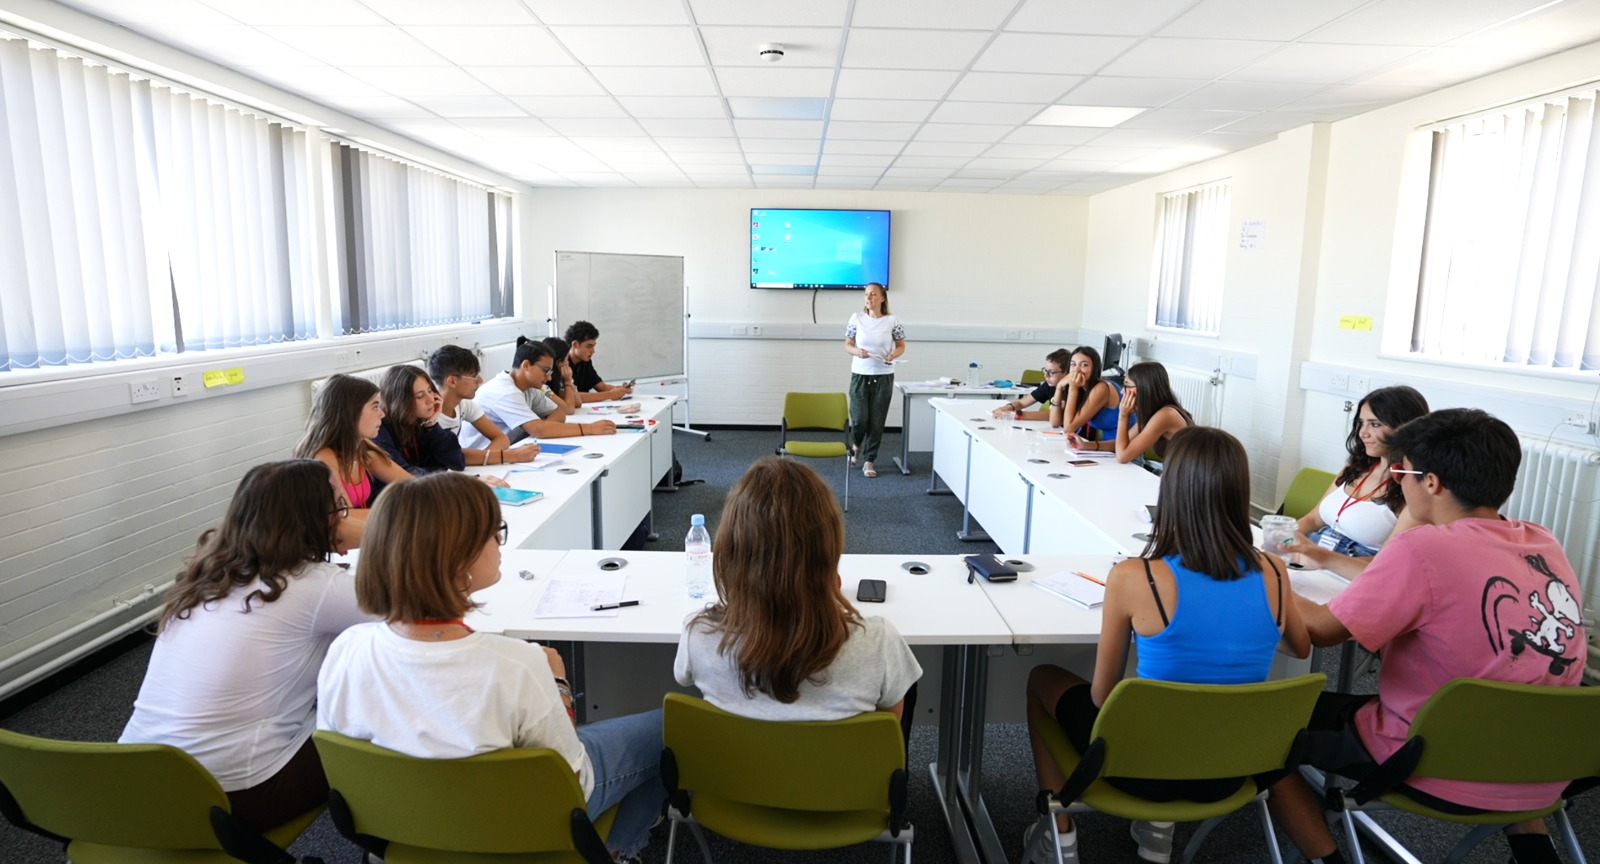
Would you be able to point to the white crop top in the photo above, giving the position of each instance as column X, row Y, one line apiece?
column 1366, row 522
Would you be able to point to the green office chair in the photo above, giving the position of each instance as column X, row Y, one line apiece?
column 1305, row 492
column 796, row 785
column 1241, row 730
column 1030, row 377
column 516, row 805
column 817, row 412
column 146, row 803
column 1491, row 732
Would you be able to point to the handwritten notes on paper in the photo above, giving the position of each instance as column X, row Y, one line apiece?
column 576, row 598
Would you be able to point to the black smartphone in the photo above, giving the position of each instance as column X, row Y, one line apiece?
column 1082, row 463
column 872, row 591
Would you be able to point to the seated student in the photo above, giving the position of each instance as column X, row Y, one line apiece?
column 1147, row 417
column 783, row 643
column 1083, row 402
column 346, row 415
column 1201, row 605
column 421, row 682
column 454, row 371
column 503, row 403
column 233, row 677
column 1363, row 507
column 1465, row 594
column 1054, row 372
column 583, row 337
column 560, row 386
column 409, row 435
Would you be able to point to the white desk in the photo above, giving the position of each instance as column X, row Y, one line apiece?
column 916, row 418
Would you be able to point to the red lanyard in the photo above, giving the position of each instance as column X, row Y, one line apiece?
column 1349, row 500
column 440, row 622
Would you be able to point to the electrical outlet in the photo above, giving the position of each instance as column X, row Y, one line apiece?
column 738, row 330
column 1225, row 362
column 1013, row 335
column 755, row 331
column 1579, row 420
column 144, row 391
column 341, row 359
column 1027, row 335
column 1340, row 382
column 1360, row 384
column 179, row 388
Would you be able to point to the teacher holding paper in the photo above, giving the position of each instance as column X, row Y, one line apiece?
column 873, row 339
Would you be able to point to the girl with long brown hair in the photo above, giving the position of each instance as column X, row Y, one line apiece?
column 1147, row 417
column 346, row 415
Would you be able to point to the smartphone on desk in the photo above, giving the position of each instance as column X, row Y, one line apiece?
column 1083, row 463
column 872, row 591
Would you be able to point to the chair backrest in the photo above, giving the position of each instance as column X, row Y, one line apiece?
column 832, row 766
column 1496, row 732
column 1031, row 376
column 1305, row 492
column 518, row 800
column 829, row 411
column 1225, row 730
column 143, row 796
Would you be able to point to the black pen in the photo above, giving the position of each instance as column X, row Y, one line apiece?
column 604, row 606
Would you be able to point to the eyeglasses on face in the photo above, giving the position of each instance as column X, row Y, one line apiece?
column 545, row 369
column 342, row 511
column 1396, row 469
column 1050, row 373
column 503, row 534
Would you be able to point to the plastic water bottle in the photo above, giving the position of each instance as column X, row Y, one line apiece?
column 972, row 374
column 697, row 558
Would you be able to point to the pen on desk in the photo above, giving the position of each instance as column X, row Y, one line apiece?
column 604, row 606
column 1099, row 582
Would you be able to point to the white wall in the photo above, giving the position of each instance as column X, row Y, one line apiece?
column 965, row 269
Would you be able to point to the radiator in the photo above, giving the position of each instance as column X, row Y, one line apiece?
column 1557, row 487
column 1200, row 393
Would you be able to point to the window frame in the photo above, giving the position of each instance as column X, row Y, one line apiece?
column 1222, row 233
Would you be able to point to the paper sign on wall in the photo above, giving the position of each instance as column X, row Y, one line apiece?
column 1355, row 322
column 215, row 378
column 235, row 375
column 1251, row 232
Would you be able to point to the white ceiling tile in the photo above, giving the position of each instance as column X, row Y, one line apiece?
column 657, row 80
column 537, row 80
column 984, row 112
column 986, row 133
column 835, row 182
column 1417, row 22
column 1143, row 138
column 1004, row 164
column 942, row 14
column 626, row 149
column 314, row 81
column 906, row 185
column 777, row 181
column 643, row 163
column 328, row 13
column 597, row 178
column 893, row 84
column 1271, row 20
column 764, row 168
column 1321, row 64
column 778, row 128
column 1107, row 17
column 859, row 160
column 1187, row 58
column 802, row 46
column 777, row 108
column 422, row 80
column 1012, row 87
column 507, row 127
column 730, row 181
column 870, row 131
column 783, row 158
column 964, row 185
column 630, row 46
column 1050, row 53
column 1551, row 29
column 1103, row 155
column 897, row 171
column 812, row 13
column 911, row 49
column 849, row 147
column 699, row 145
column 595, row 126
column 976, row 173
column 668, row 107
column 762, row 81
column 948, row 162
column 1438, row 67
column 810, row 146
column 570, row 106
column 894, row 110
column 943, row 148
column 1026, row 151
column 1104, row 90
column 1244, row 95
column 403, row 12
column 1271, row 122
column 682, row 128
column 376, row 107
column 1052, row 135
column 1351, row 99
column 493, row 45
column 609, row 12
column 192, row 12
column 235, row 45
column 735, row 166
column 848, row 171
column 692, row 158
column 358, row 46
column 469, row 106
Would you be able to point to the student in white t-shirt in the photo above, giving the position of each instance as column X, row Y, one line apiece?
column 423, row 683
column 873, row 339
column 783, row 643
column 233, row 678
column 503, row 402
column 454, row 371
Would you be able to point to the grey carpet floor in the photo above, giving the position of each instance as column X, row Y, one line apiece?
column 889, row 514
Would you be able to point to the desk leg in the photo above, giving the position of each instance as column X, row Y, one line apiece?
column 903, row 461
column 958, row 773
column 968, row 534
column 597, row 514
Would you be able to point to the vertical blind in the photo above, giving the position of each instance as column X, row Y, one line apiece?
column 1510, row 260
column 1190, row 253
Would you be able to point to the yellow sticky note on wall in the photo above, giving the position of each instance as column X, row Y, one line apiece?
column 1355, row 322
column 235, row 375
column 215, row 378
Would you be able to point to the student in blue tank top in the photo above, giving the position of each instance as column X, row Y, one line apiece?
column 1202, row 605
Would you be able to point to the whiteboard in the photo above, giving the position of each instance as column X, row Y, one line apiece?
column 637, row 303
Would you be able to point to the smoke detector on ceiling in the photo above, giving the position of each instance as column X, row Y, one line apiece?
column 771, row 52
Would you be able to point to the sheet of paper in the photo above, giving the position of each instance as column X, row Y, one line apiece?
column 1069, row 585
column 1318, row 586
column 576, row 598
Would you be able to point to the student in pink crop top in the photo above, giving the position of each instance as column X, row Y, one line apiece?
column 345, row 416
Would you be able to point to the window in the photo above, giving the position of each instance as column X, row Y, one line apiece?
column 1190, row 249
column 1509, row 257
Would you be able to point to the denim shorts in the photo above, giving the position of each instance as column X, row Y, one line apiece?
column 1342, row 544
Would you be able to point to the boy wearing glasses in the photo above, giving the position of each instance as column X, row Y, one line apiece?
column 1055, row 365
column 503, row 403
column 1465, row 594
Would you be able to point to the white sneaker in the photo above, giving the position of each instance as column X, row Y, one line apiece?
column 1046, row 853
column 1154, row 839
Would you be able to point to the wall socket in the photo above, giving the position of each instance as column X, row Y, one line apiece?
column 1579, row 420
column 1013, row 334
column 179, row 387
column 144, row 391
column 755, row 331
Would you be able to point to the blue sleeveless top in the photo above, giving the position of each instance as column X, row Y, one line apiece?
column 1221, row 632
column 1105, row 420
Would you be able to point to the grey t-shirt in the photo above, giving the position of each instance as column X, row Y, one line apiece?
column 874, row 670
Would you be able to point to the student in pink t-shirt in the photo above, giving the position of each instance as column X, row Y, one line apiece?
column 1466, row 594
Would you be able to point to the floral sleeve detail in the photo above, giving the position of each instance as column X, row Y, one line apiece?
column 899, row 332
column 850, row 331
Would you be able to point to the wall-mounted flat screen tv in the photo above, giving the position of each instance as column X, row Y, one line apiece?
column 818, row 248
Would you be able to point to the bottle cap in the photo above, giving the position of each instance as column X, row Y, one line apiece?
column 697, row 519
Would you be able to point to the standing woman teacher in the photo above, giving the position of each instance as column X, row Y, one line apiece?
column 873, row 340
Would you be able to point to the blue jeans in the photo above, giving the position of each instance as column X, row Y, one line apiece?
column 1342, row 544
column 625, row 753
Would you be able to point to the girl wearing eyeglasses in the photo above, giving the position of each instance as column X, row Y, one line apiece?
column 423, row 683
column 1147, row 417
column 233, row 677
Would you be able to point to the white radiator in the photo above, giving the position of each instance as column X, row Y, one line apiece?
column 1557, row 487
column 1200, row 393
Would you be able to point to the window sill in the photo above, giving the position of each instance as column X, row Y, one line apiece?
column 1181, row 331
column 1572, row 375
